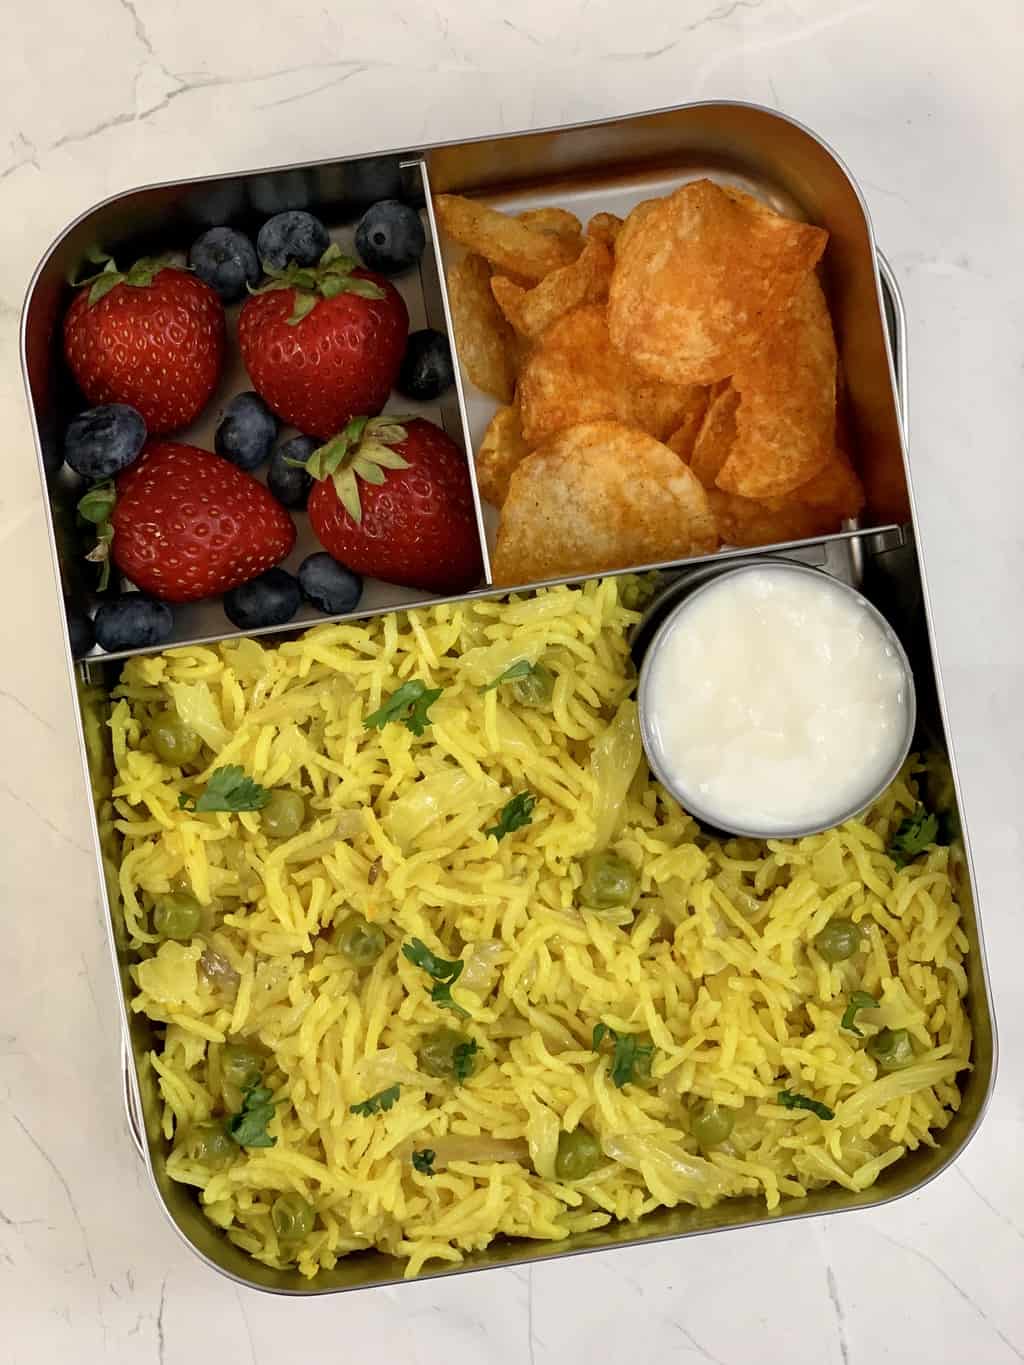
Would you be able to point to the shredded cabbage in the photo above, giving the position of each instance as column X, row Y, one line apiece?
column 195, row 705
column 669, row 1171
column 897, row 1084
column 614, row 760
column 433, row 799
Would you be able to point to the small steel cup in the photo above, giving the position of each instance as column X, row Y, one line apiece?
column 664, row 616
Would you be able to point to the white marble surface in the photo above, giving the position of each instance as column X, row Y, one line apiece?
column 923, row 99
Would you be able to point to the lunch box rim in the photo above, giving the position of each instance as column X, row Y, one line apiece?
column 896, row 335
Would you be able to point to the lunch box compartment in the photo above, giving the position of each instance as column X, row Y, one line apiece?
column 603, row 166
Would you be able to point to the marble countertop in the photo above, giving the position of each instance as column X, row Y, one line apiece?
column 924, row 101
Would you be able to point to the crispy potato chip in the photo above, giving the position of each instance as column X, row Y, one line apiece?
column 599, row 496
column 686, row 436
column 483, row 339
column 699, row 278
column 550, row 218
column 745, row 522
column 714, row 436
column 506, row 242
column 786, row 423
column 532, row 311
column 605, row 227
column 501, row 452
column 574, row 374
column 835, row 488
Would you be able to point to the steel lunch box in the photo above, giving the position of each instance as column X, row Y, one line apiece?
column 608, row 165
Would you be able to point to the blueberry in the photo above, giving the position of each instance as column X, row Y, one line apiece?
column 247, row 431
column 292, row 236
column 225, row 260
column 289, row 485
column 390, row 237
column 373, row 178
column 269, row 600
column 331, row 587
column 80, row 631
column 132, row 621
column 279, row 190
column 427, row 368
column 102, row 441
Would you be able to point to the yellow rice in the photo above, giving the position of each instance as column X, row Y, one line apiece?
column 717, row 965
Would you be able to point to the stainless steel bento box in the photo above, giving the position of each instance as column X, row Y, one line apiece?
column 608, row 165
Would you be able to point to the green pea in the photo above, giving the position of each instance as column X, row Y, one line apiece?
column 446, row 1052
column 174, row 741
column 241, row 1065
column 284, row 814
column 608, row 881
column 177, row 916
column 292, row 1217
column 360, row 941
column 892, row 1049
column 711, row 1124
column 535, row 688
column 210, row 1144
column 579, row 1153
column 839, row 940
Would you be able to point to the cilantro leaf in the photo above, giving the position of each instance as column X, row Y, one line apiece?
column 859, row 1000
column 409, row 706
column 440, row 968
column 790, row 1099
column 376, row 1104
column 249, row 1126
column 462, row 1059
column 631, row 1058
column 228, row 789
column 514, row 815
column 444, row 972
column 522, row 668
column 917, row 832
column 423, row 1160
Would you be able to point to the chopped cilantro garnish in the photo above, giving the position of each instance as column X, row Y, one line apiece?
column 514, row 815
column 227, row 789
column 444, row 972
column 463, row 1059
column 859, row 1000
column 917, row 832
column 409, row 706
column 249, row 1126
column 522, row 668
column 376, row 1104
column 790, row 1099
column 631, row 1056
column 423, row 1161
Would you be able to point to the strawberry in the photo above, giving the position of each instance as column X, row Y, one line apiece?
column 152, row 337
column 394, row 501
column 323, row 343
column 186, row 523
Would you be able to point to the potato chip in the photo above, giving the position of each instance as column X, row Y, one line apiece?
column 532, row 311
column 550, row 218
column 574, row 374
column 786, row 422
column 745, row 522
column 835, row 487
column 511, row 245
column 683, row 440
column 699, row 278
column 484, row 342
column 501, row 452
column 599, row 496
column 605, row 227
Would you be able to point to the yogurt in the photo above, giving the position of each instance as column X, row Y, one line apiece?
column 775, row 701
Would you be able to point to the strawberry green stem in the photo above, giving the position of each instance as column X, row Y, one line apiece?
column 363, row 450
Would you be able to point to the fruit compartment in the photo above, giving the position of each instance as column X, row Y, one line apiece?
column 148, row 222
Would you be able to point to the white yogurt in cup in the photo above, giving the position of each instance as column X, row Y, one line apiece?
column 775, row 701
